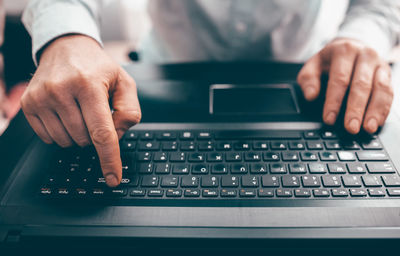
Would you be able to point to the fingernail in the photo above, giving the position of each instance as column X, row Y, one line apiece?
column 310, row 91
column 372, row 124
column 354, row 126
column 331, row 118
column 111, row 180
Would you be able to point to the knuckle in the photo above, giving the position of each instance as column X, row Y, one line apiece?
column 103, row 135
column 362, row 83
column 348, row 46
column 82, row 141
column 341, row 79
column 370, row 53
column 64, row 143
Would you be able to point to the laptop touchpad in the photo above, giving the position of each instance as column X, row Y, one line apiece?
column 253, row 99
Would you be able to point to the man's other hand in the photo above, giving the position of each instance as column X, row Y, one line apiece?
column 68, row 100
column 355, row 67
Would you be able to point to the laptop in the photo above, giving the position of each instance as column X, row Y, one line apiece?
column 228, row 155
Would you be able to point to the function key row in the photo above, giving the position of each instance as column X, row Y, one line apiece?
column 287, row 156
column 223, row 193
column 207, row 145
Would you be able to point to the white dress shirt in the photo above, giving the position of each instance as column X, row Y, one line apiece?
column 222, row 30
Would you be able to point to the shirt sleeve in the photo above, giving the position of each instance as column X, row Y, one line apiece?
column 373, row 22
column 45, row 20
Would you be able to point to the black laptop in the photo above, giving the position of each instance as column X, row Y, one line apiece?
column 227, row 155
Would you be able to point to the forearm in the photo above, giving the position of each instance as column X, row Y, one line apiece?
column 376, row 23
column 47, row 20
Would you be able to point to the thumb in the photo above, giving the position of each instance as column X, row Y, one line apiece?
column 309, row 77
column 125, row 104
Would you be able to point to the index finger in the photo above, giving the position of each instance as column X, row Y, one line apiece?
column 98, row 118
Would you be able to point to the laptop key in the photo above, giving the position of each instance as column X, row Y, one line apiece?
column 297, row 168
column 391, row 180
column 200, row 169
column 239, row 169
column 189, row 182
column 296, row 145
column 351, row 181
column 196, row 157
column 308, row 156
column 228, row 193
column 209, row 182
column 233, row 157
column 241, row 145
column 266, row 192
column 332, row 145
column 358, row 192
column 170, row 181
column 210, row 193
column 250, row 181
column 145, row 168
column 311, row 181
column 356, row 168
column 283, row 192
column 117, row 192
column 177, row 157
column 371, row 181
column 219, row 169
column 169, row 145
column 278, row 145
column 137, row 192
column 252, row 157
column 278, row 168
column 328, row 135
column 346, row 156
column 149, row 181
column 290, row 156
column 372, row 156
column 331, row 181
column 188, row 146
column 301, row 192
column 180, row 169
column 247, row 193
column 311, row 135
column 155, row 192
column 271, row 156
column 270, row 181
column 316, row 168
column 290, row 181
column 204, row 136
column 223, row 146
column 260, row 145
column 173, row 192
column 214, row 157
column 327, row 156
column 314, row 145
column 340, row 192
column 143, row 157
column 206, row 146
column 162, row 168
column 336, row 168
column 373, row 144
column 380, row 168
column 321, row 192
column 166, row 135
column 258, row 169
column 149, row 145
column 230, row 181
column 376, row 192
column 191, row 193
column 160, row 157
column 393, row 191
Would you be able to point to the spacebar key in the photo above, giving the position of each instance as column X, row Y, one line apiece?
column 257, row 134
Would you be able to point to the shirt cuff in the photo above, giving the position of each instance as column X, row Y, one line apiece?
column 367, row 31
column 57, row 20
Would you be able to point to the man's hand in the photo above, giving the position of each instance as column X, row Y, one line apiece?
column 355, row 67
column 68, row 100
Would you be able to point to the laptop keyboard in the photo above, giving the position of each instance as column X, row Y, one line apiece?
column 217, row 164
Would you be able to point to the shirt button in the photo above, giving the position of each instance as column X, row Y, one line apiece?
column 240, row 27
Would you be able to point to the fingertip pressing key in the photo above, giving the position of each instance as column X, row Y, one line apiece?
column 111, row 180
